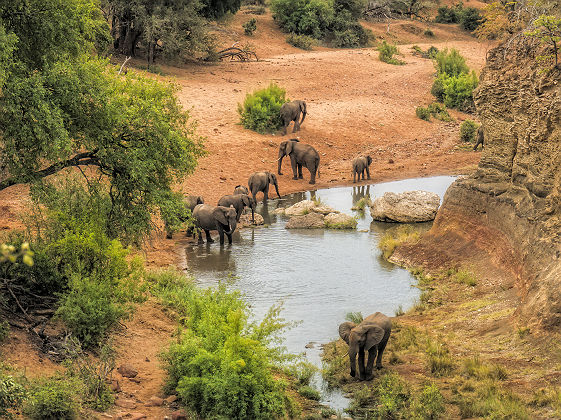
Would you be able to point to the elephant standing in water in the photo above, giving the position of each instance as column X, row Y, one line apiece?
column 222, row 219
column 300, row 155
column 189, row 201
column 480, row 138
column 370, row 335
column 361, row 165
column 239, row 202
column 260, row 181
column 290, row 111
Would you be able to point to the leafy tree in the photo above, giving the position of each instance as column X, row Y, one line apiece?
column 547, row 29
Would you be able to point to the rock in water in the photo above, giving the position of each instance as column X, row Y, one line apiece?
column 407, row 207
column 307, row 221
column 245, row 220
column 340, row 221
column 300, row 208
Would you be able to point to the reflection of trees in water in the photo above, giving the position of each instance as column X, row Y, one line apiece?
column 210, row 257
column 359, row 192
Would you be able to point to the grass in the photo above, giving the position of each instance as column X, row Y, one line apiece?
column 395, row 237
column 438, row 359
column 547, row 397
column 355, row 317
column 473, row 367
column 310, row 393
column 349, row 223
column 361, row 204
column 466, row 277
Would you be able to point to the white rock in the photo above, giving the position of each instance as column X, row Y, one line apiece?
column 340, row 221
column 407, row 207
column 300, row 208
column 307, row 221
column 323, row 209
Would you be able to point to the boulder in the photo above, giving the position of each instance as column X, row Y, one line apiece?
column 155, row 401
column 245, row 220
column 323, row 209
column 124, row 403
column 127, row 371
column 300, row 208
column 340, row 221
column 307, row 221
column 279, row 210
column 407, row 207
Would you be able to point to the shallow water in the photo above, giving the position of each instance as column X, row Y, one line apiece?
column 321, row 275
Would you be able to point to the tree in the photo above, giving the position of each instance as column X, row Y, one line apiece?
column 547, row 29
column 61, row 107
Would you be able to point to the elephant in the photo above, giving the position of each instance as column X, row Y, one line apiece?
column 361, row 165
column 300, row 155
column 239, row 202
column 260, row 181
column 220, row 218
column 241, row 189
column 370, row 335
column 290, row 111
column 480, row 138
column 189, row 201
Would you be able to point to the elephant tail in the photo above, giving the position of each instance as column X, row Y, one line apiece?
column 303, row 109
column 319, row 176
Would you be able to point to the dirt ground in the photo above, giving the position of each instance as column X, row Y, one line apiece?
column 357, row 105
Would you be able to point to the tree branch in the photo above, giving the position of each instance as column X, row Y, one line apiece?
column 86, row 158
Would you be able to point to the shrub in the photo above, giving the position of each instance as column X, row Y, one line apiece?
column 448, row 14
column 423, row 113
column 12, row 395
column 260, row 110
column 387, row 52
column 429, row 404
column 428, row 32
column 432, row 51
column 347, row 32
column 355, row 317
column 466, row 277
column 468, row 130
column 52, row 398
column 470, row 18
column 310, row 393
column 303, row 17
column 4, row 331
column 438, row 359
column 439, row 112
column 391, row 395
column 437, row 89
column 250, row 26
column 304, row 42
column 458, row 91
column 450, row 63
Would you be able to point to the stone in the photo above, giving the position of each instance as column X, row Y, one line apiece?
column 136, row 380
column 406, row 207
column 323, row 209
column 115, row 386
column 178, row 415
column 308, row 221
column 280, row 210
column 124, row 403
column 300, row 208
column 340, row 221
column 245, row 220
column 137, row 416
column 106, row 416
column 127, row 371
column 171, row 399
column 155, row 401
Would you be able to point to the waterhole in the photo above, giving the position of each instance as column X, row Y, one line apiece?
column 320, row 275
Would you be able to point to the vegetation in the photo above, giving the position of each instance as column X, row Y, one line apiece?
column 348, row 223
column 397, row 236
column 469, row 18
column 547, row 29
column 250, row 26
column 430, row 53
column 309, row 393
column 438, row 359
column 468, row 131
column 304, row 42
column 52, row 398
column 435, row 109
column 260, row 110
column 12, row 393
column 387, row 52
column 428, row 32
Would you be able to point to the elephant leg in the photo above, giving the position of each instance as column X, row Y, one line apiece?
column 300, row 175
column 381, row 348
column 368, row 172
column 361, row 364
column 363, row 175
column 266, row 193
column 208, row 238
column 294, row 167
column 370, row 363
column 221, row 233
column 354, row 177
column 229, row 239
column 312, row 174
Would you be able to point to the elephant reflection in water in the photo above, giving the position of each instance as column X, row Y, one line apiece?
column 208, row 258
column 360, row 192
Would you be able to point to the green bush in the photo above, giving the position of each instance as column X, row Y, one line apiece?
column 470, row 18
column 387, row 52
column 428, row 32
column 423, row 113
column 429, row 404
column 450, row 63
column 250, row 26
column 432, row 51
column 468, row 130
column 304, row 17
column 310, row 393
column 439, row 112
column 52, row 398
column 304, row 42
column 303, row 372
column 347, row 32
column 449, row 14
column 221, row 364
column 437, row 89
column 391, row 396
column 12, row 394
column 458, row 91
column 438, row 359
column 260, row 110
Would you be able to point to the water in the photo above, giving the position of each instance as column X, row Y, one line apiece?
column 321, row 275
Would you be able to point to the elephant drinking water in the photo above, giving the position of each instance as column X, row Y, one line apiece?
column 239, row 202
column 300, row 155
column 222, row 219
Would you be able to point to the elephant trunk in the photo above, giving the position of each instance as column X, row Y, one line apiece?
column 281, row 155
column 277, row 190
column 352, row 361
column 233, row 225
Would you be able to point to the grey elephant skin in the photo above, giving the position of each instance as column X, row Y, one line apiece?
column 371, row 336
column 360, row 166
column 480, row 138
column 260, row 181
column 290, row 111
column 300, row 154
column 241, row 189
column 189, row 201
column 222, row 219
column 239, row 202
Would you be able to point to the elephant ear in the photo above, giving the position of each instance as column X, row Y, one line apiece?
column 373, row 337
column 200, row 200
column 288, row 148
column 345, row 330
column 220, row 216
column 245, row 200
column 272, row 178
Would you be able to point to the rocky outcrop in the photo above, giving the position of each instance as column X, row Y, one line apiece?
column 245, row 220
column 306, row 221
column 510, row 209
column 340, row 221
column 310, row 215
column 406, row 207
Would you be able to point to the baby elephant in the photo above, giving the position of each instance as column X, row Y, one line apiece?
column 370, row 335
column 480, row 138
column 241, row 189
column 290, row 111
column 239, row 202
column 360, row 165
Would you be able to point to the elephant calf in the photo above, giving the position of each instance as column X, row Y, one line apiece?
column 222, row 219
column 260, row 181
column 480, row 138
column 361, row 165
column 241, row 189
column 370, row 335
column 239, row 202
column 290, row 111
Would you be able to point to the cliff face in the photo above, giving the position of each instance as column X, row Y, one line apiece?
column 509, row 211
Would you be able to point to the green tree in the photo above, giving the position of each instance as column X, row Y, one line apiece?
column 547, row 29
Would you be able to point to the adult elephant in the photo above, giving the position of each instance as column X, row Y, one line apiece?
column 480, row 138
column 360, row 166
column 300, row 155
column 220, row 218
column 189, row 201
column 260, row 181
column 239, row 202
column 370, row 335
column 290, row 111
column 241, row 189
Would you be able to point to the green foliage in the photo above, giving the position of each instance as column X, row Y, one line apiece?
column 428, row 404
column 422, row 113
column 361, row 204
column 304, row 42
column 52, row 398
column 395, row 237
column 347, row 32
column 547, row 29
column 250, row 26
column 470, row 18
column 310, row 393
column 12, row 394
column 438, row 359
column 474, row 368
column 468, row 130
column 450, row 63
column 4, row 331
column 391, row 395
column 386, row 53
column 221, row 364
column 457, row 92
column 261, row 109
column 355, row 317
column 303, row 372
column 447, row 14
column 428, row 32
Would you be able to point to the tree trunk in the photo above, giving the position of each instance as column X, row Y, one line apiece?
column 151, row 46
